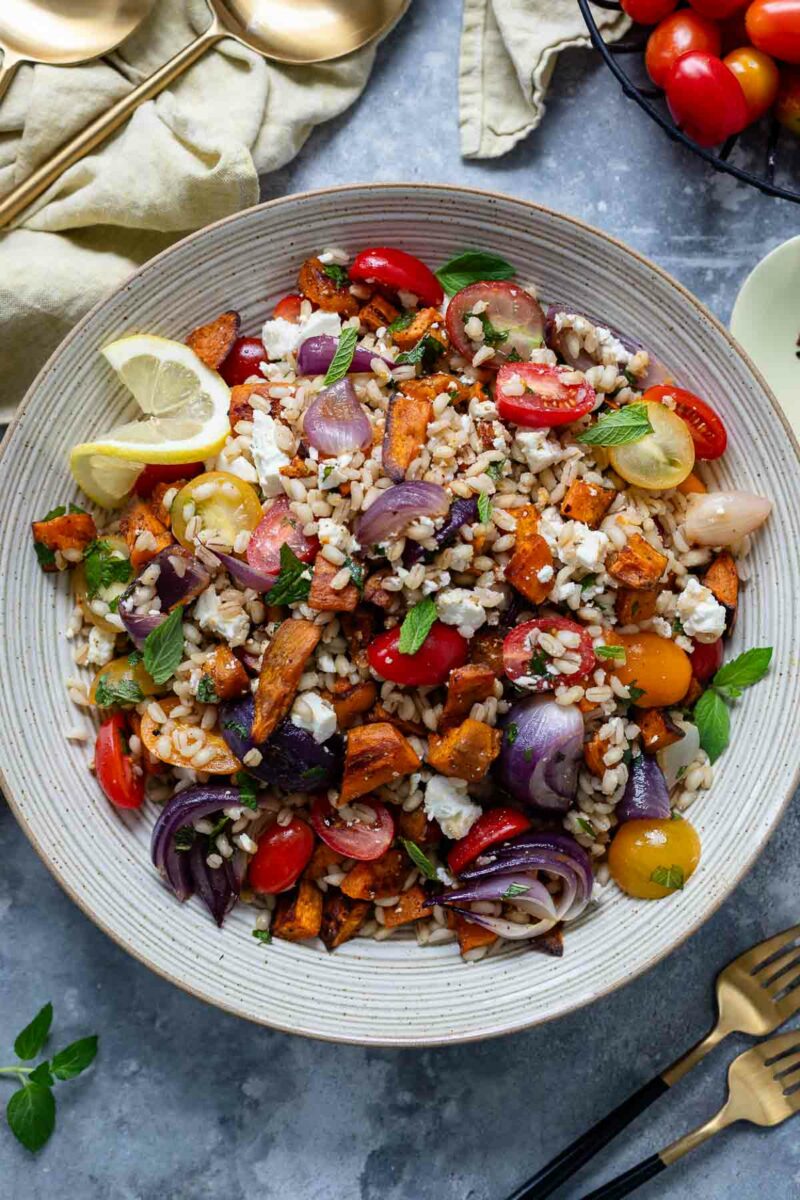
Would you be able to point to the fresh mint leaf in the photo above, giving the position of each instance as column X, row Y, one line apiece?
column 248, row 789
column 471, row 266
column 512, row 733
column 75, row 1058
column 44, row 554
column 668, row 877
column 356, row 572
column 31, row 1115
column 484, row 508
column 427, row 349
column 262, row 935
column 237, row 727
column 163, row 647
column 713, row 723
column 400, row 323
column 294, row 582
column 103, row 565
column 492, row 336
column 495, row 470
column 617, row 653
column 217, row 829
column 587, row 827
column 628, row 424
column 416, row 626
column 635, row 693
column 33, row 1036
column 184, row 838
column 340, row 363
column 121, row 691
column 338, row 274
column 514, row 889
column 742, row 672
column 588, row 581
column 419, row 859
column 41, row 1074
column 206, row 692
column 134, row 658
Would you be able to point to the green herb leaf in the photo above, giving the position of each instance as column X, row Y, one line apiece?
column 495, row 469
column 401, row 322
column 514, row 889
column 314, row 773
column 512, row 733
column 538, row 663
column 677, row 626
column 294, row 582
column 614, row 652
column 514, row 356
column 163, row 647
column 31, row 1115
column 103, row 566
column 44, row 554
column 218, row 827
column 248, row 789
column 419, row 859
column 742, row 672
column 427, row 349
column 416, row 626
column 338, row 274
column 469, row 267
column 635, row 693
column 62, row 510
column 121, row 691
column 628, row 424
column 34, row 1036
column 75, row 1058
column 588, row 581
column 237, row 727
column 356, row 572
column 631, row 378
column 134, row 658
column 484, row 508
column 492, row 336
column 41, row 1074
column 184, row 838
column 340, row 363
column 713, row 723
column 668, row 877
column 206, row 692
column 587, row 827
column 263, row 935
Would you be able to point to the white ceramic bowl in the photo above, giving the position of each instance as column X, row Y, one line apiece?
column 389, row 992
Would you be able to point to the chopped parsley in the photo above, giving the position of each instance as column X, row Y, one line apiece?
column 248, row 789
column 206, row 692
column 236, row 727
column 538, row 663
column 495, row 469
column 104, row 565
column 635, row 693
column 262, row 935
column 338, row 274
column 668, row 877
column 588, row 581
column 512, row 733
column 484, row 508
column 425, row 352
column 117, row 691
column 356, row 572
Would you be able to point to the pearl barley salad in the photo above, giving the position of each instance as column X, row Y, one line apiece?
column 407, row 616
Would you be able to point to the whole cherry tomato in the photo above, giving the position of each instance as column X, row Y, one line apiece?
column 278, row 527
column 398, row 272
column 354, row 839
column 708, row 432
column 758, row 77
column 648, row 12
column 495, row 825
column 706, row 659
column 657, row 667
column 114, row 767
column 523, row 662
column 774, row 27
column 164, row 473
column 705, row 98
column 787, row 107
column 443, row 649
column 547, row 396
column 282, row 855
column 246, row 355
column 717, row 10
column 677, row 34
column 288, row 309
column 652, row 859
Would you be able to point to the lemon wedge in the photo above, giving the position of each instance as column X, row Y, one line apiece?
column 184, row 407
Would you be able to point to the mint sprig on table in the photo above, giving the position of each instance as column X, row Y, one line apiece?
column 470, row 267
column 628, row 424
column 711, row 714
column 31, row 1109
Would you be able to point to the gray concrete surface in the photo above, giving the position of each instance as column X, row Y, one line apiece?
column 186, row 1103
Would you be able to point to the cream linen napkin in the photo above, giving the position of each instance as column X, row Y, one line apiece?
column 508, row 53
column 190, row 157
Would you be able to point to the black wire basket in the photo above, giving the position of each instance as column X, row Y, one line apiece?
column 630, row 50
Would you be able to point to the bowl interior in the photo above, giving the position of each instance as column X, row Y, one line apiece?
column 391, row 992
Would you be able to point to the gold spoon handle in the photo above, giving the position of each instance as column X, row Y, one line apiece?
column 9, row 66
column 92, row 136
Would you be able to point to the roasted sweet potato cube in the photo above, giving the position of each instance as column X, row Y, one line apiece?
column 722, row 579
column 633, row 606
column 226, row 673
column 427, row 320
column 376, row 754
column 692, row 484
column 321, row 862
column 379, row 879
column 415, row 826
column 467, row 685
column 486, row 648
column 413, row 905
column 157, row 500
column 298, row 468
column 658, row 729
column 530, row 570
column 213, row 343
column 354, row 700
column 379, row 713
column 322, row 596
column 374, row 592
column 283, row 663
column 586, row 502
column 527, row 518
column 593, row 752
column 69, row 533
column 298, row 914
column 323, row 290
column 470, row 935
column 465, row 752
column 550, row 943
column 693, row 693
column 144, row 533
column 405, row 434
column 341, row 919
column 359, row 629
column 431, row 386
column 638, row 565
column 240, row 407
column 378, row 312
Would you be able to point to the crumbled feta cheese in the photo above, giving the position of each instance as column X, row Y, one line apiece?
column 279, row 337
column 701, row 615
column 330, row 473
column 551, row 525
column 460, row 607
column 332, row 533
column 268, row 459
column 317, row 324
column 209, row 616
column 314, row 714
column 591, row 546
column 241, row 467
column 545, row 574
column 447, row 802
column 539, row 451
column 101, row 647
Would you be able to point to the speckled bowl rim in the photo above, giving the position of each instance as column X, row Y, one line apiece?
column 748, row 860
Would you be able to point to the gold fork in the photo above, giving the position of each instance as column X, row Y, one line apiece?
column 756, row 993
column 763, row 1088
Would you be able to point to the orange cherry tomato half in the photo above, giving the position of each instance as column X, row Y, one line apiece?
column 708, row 433
column 759, row 79
column 787, row 107
column 114, row 766
column 353, row 839
column 658, row 669
column 653, row 859
column 282, row 855
column 677, row 34
column 288, row 309
column 443, row 649
column 279, row 527
column 521, row 662
column 244, row 360
column 496, row 825
column 774, row 27
column 705, row 98
column 164, row 473
column 398, row 272
column 546, row 398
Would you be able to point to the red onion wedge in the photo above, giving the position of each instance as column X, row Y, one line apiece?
column 645, row 796
column 212, row 884
column 245, row 575
column 181, row 577
column 722, row 518
column 462, row 512
column 316, row 355
column 559, row 341
column 541, row 753
column 336, row 422
column 397, row 508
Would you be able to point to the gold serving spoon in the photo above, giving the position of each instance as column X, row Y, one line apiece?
column 63, row 32
column 289, row 31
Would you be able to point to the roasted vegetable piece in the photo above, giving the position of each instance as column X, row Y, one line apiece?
column 427, row 320
column 431, row 386
column 213, row 343
column 359, row 629
column 723, row 580
column 323, row 597
column 283, row 664
column 321, row 861
column 374, row 592
column 692, row 484
column 378, row 312
column 223, row 762
column 322, row 290
column 353, row 701
column 658, row 729
column 406, row 431
column 530, row 570
column 376, row 754
column 586, row 502
column 413, row 905
column 467, row 685
column 240, row 407
column 157, row 499
column 298, row 915
column 379, row 713
column 69, row 532
column 486, row 649
column 341, row 919
column 465, row 752
column 633, row 606
column 470, row 936
column 415, row 826
column 226, row 674
column 638, row 565
column 137, row 521
column 379, row 879
column 593, row 753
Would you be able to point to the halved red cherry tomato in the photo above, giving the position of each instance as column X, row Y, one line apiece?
column 649, row 12
column 705, row 98
column 546, row 399
column 759, row 79
column 165, row 473
column 353, row 839
column 717, row 10
column 114, row 767
column 708, row 433
column 288, row 309
column 282, row 855
column 522, row 662
column 398, row 272
column 443, row 649
column 787, row 108
column 706, row 659
column 677, row 34
column 247, row 354
column 493, row 826
column 279, row 527
column 513, row 321
column 774, row 27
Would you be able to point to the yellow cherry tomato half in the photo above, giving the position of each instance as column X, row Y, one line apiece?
column 652, row 859
column 117, row 548
column 120, row 670
column 660, row 460
column 184, row 742
column 225, row 505
column 656, row 666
